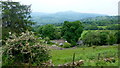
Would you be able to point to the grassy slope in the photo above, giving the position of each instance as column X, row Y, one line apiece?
column 102, row 27
column 89, row 55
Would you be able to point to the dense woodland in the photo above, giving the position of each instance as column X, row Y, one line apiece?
column 26, row 44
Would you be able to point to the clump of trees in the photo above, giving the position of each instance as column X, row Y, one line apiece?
column 113, row 27
column 50, row 31
column 71, row 31
column 99, row 38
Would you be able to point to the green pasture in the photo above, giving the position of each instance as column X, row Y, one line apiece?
column 88, row 54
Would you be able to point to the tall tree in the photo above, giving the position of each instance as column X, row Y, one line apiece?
column 47, row 31
column 15, row 17
column 71, row 31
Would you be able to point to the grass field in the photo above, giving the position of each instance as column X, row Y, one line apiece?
column 88, row 54
column 104, row 27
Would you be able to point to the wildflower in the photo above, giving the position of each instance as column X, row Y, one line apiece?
column 27, row 44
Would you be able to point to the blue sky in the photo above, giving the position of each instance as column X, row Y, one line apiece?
column 109, row 7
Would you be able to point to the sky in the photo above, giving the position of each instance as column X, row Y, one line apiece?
column 109, row 7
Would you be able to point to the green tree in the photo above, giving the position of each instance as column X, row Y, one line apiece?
column 47, row 31
column 104, row 38
column 98, row 38
column 112, row 38
column 117, row 35
column 15, row 18
column 91, row 38
column 57, row 33
column 71, row 31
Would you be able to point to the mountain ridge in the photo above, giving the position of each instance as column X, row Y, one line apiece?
column 59, row 17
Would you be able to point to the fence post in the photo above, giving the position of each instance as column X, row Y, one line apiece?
column 98, row 56
column 73, row 58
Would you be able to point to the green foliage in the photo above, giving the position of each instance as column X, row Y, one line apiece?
column 91, row 38
column 15, row 18
column 49, row 31
column 101, row 20
column 117, row 35
column 47, row 39
column 102, row 27
column 99, row 37
column 66, row 45
column 112, row 39
column 91, row 27
column 57, row 33
column 24, row 49
column 114, row 27
column 103, row 37
column 71, row 31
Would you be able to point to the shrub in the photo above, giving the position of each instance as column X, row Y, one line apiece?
column 47, row 39
column 24, row 49
column 67, row 45
column 94, row 47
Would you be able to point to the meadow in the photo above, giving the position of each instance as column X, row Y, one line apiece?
column 92, row 56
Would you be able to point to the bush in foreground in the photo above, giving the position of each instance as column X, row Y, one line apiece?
column 24, row 49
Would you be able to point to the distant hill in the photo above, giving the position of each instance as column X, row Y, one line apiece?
column 60, row 17
column 101, row 20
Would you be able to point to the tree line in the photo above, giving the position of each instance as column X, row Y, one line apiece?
column 70, row 31
column 101, row 38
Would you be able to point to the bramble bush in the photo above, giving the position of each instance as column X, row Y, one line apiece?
column 24, row 49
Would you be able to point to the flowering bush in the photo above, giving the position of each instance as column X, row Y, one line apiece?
column 24, row 49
